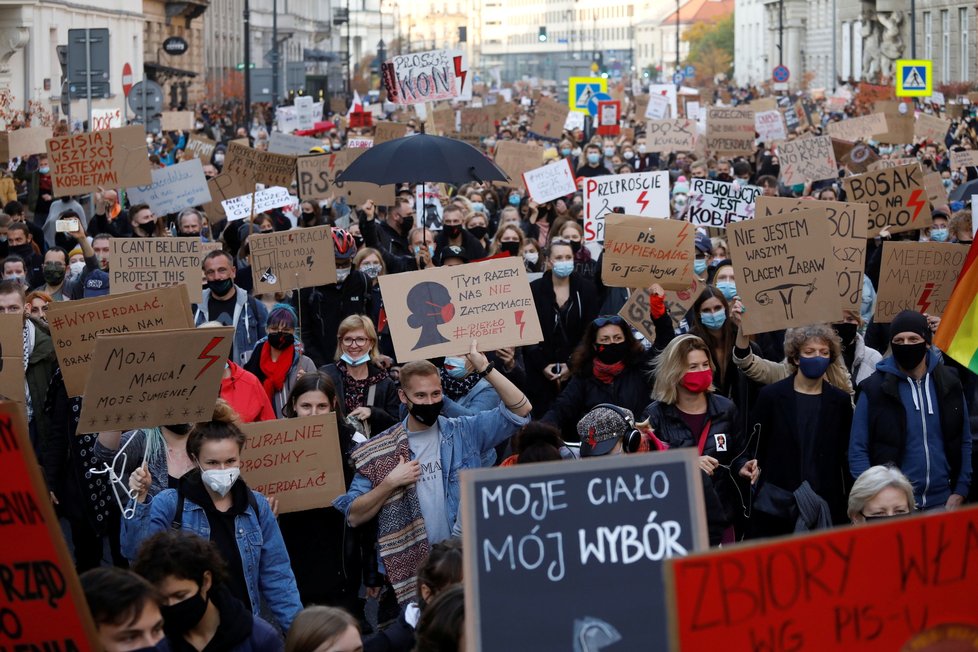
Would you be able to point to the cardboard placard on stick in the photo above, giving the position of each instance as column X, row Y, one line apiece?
column 291, row 145
column 667, row 136
column 549, row 119
column 936, row 192
column 770, row 125
column 177, row 121
column 645, row 194
column 147, row 263
column 112, row 158
column 296, row 460
column 317, row 180
column 885, row 163
column 288, row 260
column 807, row 159
column 917, row 276
column 639, row 251
column 899, row 122
column 44, row 607
column 861, row 128
column 247, row 206
column 896, row 197
column 550, row 181
column 254, row 166
column 199, row 147
column 720, row 203
column 729, row 130
column 12, row 358
column 931, row 128
column 476, row 123
column 443, row 120
column 140, row 380
column 385, row 131
column 420, row 77
column 440, row 310
column 965, row 158
column 20, row 143
column 784, row 272
column 174, row 188
column 75, row 325
column 848, row 226
column 514, row 159
column 221, row 188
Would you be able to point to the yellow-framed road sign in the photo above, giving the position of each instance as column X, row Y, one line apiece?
column 914, row 78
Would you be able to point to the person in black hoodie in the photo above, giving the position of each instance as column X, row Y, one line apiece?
column 566, row 303
column 199, row 612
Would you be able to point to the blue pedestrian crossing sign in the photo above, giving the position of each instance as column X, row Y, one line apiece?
column 914, row 78
column 580, row 90
column 592, row 104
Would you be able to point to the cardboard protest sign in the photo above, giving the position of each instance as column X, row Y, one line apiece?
column 420, row 77
column 893, row 585
column 785, row 275
column 593, row 528
column 75, row 325
column 12, row 358
column 140, row 380
column 317, row 180
column 384, row 131
column 23, row 142
column 729, row 130
column 44, row 606
column 443, row 120
column 514, row 159
column 222, row 187
column 770, row 126
column 678, row 302
column 855, row 157
column 885, row 163
column 440, row 310
column 719, row 203
column 645, row 194
column 114, row 158
column 245, row 206
column 861, row 128
column 899, row 122
column 549, row 119
column 476, row 123
column 296, row 460
column 288, row 144
column 931, row 128
column 639, row 251
column 917, row 276
column 550, row 181
column 174, row 188
column 936, row 192
column 807, row 159
column 896, row 198
column 105, row 119
column 848, row 224
column 254, row 166
column 177, row 121
column 288, row 260
column 199, row 147
column 147, row 263
column 965, row 158
column 657, row 108
column 667, row 136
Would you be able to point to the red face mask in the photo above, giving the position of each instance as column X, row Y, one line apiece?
column 697, row 381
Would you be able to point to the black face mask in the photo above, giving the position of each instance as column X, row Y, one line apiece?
column 511, row 248
column 426, row 413
column 141, row 231
column 359, row 240
column 908, row 356
column 281, row 341
column 221, row 287
column 407, row 223
column 479, row 231
column 184, row 234
column 611, row 353
column 179, row 428
column 25, row 251
column 183, row 616
column 846, row 332
column 453, row 231
column 575, row 245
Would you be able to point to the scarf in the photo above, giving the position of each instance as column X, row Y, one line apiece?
column 401, row 535
column 354, row 390
column 606, row 373
column 276, row 371
column 456, row 388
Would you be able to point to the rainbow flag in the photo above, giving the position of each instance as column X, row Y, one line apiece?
column 957, row 336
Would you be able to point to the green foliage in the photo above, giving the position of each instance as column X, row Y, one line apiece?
column 711, row 47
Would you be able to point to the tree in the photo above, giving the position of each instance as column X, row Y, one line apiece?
column 711, row 48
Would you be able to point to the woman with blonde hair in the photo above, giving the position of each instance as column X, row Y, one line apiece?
column 366, row 391
column 880, row 492
column 323, row 629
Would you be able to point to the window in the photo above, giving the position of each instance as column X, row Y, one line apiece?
column 846, row 51
column 928, row 36
column 945, row 46
column 965, row 44
column 857, row 50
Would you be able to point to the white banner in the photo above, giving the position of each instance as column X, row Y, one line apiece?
column 239, row 208
column 644, row 194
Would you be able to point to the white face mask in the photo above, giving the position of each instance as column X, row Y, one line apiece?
column 76, row 268
column 342, row 273
column 220, row 481
column 531, row 257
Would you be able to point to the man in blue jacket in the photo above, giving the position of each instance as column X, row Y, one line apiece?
column 912, row 414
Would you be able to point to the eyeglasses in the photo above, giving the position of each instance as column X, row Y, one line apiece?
column 355, row 341
column 604, row 320
column 875, row 517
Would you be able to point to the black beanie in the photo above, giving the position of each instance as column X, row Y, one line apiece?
column 912, row 322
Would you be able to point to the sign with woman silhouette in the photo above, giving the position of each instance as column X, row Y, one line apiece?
column 439, row 311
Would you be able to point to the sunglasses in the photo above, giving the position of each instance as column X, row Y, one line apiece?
column 604, row 320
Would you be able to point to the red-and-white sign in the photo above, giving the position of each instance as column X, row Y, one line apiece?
column 126, row 79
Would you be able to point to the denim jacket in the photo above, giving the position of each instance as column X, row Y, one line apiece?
column 267, row 569
column 464, row 440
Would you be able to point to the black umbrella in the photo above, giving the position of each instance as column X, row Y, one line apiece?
column 964, row 191
column 422, row 159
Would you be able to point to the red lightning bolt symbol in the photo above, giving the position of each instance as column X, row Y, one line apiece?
column 519, row 321
column 923, row 302
column 458, row 70
column 681, row 238
column 643, row 201
column 917, row 203
column 211, row 359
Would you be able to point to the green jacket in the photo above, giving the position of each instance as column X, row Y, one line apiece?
column 40, row 370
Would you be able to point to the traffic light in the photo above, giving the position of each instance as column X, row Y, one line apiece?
column 542, row 35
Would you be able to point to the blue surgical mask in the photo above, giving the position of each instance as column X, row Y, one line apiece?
column 44, row 170
column 565, row 151
column 814, row 367
column 728, row 288
column 355, row 362
column 478, row 207
column 455, row 367
column 699, row 265
column 564, row 268
column 713, row 320
column 431, row 250
column 593, row 158
column 938, row 235
column 514, row 200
